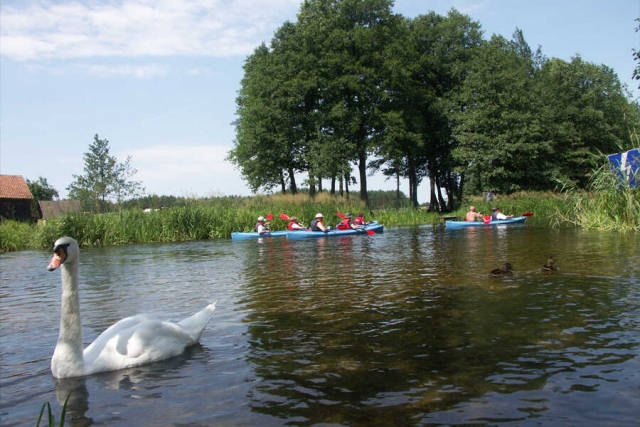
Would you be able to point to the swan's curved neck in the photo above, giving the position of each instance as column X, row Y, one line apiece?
column 69, row 349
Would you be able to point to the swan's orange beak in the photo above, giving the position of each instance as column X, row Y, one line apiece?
column 59, row 255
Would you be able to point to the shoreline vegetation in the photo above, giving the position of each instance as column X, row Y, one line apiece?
column 604, row 208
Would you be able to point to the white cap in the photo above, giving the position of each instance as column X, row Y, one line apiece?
column 260, row 218
column 318, row 215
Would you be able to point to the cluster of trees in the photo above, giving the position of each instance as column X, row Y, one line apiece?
column 353, row 84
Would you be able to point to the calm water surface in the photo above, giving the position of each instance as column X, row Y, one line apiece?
column 399, row 329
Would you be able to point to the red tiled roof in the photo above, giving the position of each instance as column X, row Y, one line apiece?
column 14, row 187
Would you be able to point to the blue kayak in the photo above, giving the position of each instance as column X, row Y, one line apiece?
column 372, row 226
column 239, row 235
column 465, row 224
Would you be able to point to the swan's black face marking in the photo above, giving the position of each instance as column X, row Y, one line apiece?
column 59, row 256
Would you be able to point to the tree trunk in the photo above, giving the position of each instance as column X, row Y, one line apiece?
column 433, row 203
column 292, row 180
column 312, row 184
column 346, row 184
column 362, row 169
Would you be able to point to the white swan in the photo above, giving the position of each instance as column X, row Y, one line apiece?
column 130, row 342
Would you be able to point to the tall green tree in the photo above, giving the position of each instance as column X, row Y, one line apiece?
column 354, row 44
column 276, row 112
column 498, row 129
column 584, row 114
column 430, row 60
column 104, row 180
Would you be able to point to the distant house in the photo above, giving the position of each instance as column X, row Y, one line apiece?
column 54, row 209
column 15, row 198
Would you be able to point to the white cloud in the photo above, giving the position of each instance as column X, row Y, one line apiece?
column 36, row 30
column 187, row 170
column 138, row 71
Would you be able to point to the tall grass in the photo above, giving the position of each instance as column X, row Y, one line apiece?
column 610, row 204
column 196, row 220
column 15, row 236
column 603, row 208
column 543, row 205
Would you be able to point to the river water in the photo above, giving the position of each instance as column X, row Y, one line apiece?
column 404, row 328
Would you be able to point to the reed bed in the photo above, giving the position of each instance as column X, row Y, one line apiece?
column 204, row 219
column 610, row 205
column 196, row 220
column 15, row 236
column 544, row 205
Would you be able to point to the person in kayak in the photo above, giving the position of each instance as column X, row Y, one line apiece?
column 261, row 226
column 359, row 220
column 294, row 225
column 472, row 215
column 346, row 223
column 318, row 225
column 497, row 215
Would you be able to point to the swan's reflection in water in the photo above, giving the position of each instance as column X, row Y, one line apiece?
column 78, row 405
column 141, row 382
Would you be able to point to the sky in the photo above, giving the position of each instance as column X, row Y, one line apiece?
column 158, row 79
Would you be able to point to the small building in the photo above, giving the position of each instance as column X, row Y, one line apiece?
column 54, row 209
column 15, row 198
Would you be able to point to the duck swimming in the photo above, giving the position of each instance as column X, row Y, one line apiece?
column 505, row 271
column 132, row 341
column 549, row 266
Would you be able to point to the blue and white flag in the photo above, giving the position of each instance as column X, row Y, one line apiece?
column 628, row 166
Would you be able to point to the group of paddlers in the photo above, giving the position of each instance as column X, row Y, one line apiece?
column 317, row 224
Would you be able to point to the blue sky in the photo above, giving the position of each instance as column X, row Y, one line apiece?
column 159, row 78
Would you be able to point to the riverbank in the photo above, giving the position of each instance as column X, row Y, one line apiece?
column 218, row 218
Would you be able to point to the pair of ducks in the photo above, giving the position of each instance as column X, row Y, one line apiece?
column 507, row 269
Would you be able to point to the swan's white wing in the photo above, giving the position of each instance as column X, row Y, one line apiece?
column 195, row 324
column 135, row 341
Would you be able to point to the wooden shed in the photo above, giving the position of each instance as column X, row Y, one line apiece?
column 54, row 209
column 15, row 198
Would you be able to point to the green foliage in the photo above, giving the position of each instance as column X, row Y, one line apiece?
column 192, row 220
column 636, row 57
column 104, row 180
column 543, row 205
column 352, row 84
column 51, row 419
column 609, row 205
column 219, row 217
column 585, row 113
column 40, row 190
column 388, row 199
column 500, row 147
column 308, row 103
column 15, row 235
